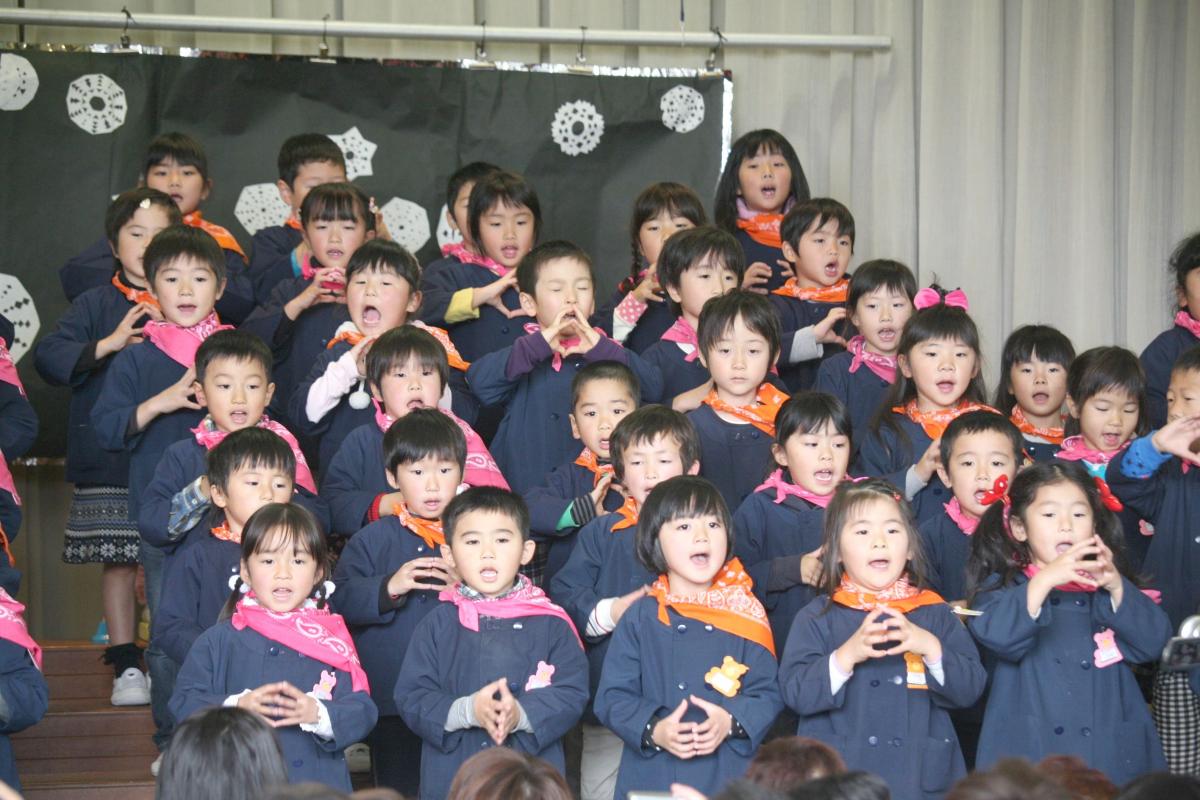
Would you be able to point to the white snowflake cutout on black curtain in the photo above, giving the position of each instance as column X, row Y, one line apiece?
column 577, row 127
column 260, row 206
column 445, row 234
column 96, row 103
column 18, row 307
column 357, row 150
column 18, row 82
column 407, row 222
column 682, row 109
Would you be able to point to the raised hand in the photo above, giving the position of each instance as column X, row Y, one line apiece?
column 824, row 331
column 622, row 603
column 911, row 638
column 861, row 644
column 1179, row 437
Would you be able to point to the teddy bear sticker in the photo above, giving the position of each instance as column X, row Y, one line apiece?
column 324, row 688
column 726, row 678
column 540, row 679
column 1106, row 653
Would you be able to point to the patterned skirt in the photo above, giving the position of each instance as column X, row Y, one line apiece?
column 98, row 527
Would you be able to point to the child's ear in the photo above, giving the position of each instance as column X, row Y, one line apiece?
column 270, row 393
column 450, row 219
column 244, row 572
column 789, row 252
column 902, row 362
column 943, row 474
column 198, row 390
column 375, row 393
column 780, row 454
column 694, row 469
column 370, row 235
column 673, row 293
column 218, row 496
column 285, row 191
column 1072, row 408
column 448, row 556
column 528, row 304
column 391, row 479
column 208, row 184
column 574, row 426
column 220, row 290
column 527, row 551
column 1017, row 527
column 414, row 302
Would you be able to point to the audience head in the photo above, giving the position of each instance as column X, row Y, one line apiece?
column 221, row 752
column 501, row 773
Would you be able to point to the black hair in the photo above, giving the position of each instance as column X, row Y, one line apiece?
column 808, row 411
column 681, row 496
column 858, row 785
column 249, row 447
column 337, row 202
column 531, row 265
column 424, row 433
column 647, row 424
column 1184, row 259
column 289, row 522
column 748, row 146
column 1188, row 361
column 605, row 371
column 467, row 173
column 126, row 204
column 1159, row 785
column 980, row 422
column 686, row 249
column 381, row 255
column 675, row 199
column 178, row 147
column 394, row 349
column 221, row 752
column 1043, row 342
column 880, row 273
column 813, row 213
column 1103, row 369
column 233, row 344
column 756, row 312
column 994, row 549
column 746, row 789
column 183, row 241
column 502, row 188
column 489, row 499
column 307, row 148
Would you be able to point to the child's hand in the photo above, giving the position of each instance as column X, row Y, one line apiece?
column 359, row 352
column 931, row 459
column 824, row 331
column 588, row 338
column 316, row 293
column 810, row 567
column 126, row 332
column 293, row 707
column 599, row 492
column 1107, row 576
column 675, row 736
column 649, row 290
column 493, row 295
column 179, row 394
column 692, row 398
column 437, row 574
column 1179, row 438
column 912, row 638
column 508, row 714
column 622, row 603
column 714, row 730
column 484, row 704
column 861, row 644
column 755, row 276
column 679, row 791
column 381, row 228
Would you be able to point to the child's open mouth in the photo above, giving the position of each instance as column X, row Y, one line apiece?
column 416, row 402
column 186, row 309
column 432, row 504
column 282, row 594
column 488, row 575
column 509, row 252
column 879, row 563
column 768, row 191
column 1041, row 398
column 700, row 559
column 334, row 253
column 1111, row 441
column 371, row 315
column 824, row 476
column 1062, row 547
column 177, row 197
column 887, row 335
column 945, row 387
column 239, row 417
column 833, row 270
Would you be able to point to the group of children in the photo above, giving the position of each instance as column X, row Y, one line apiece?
column 474, row 505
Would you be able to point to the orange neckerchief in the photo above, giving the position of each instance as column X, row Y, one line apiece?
column 223, row 533
column 223, row 237
column 729, row 605
column 1052, row 435
column 294, row 224
column 453, row 358
column 628, row 513
column 131, row 294
column 4, row 546
column 588, row 460
column 353, row 337
column 761, row 415
column 901, row 596
column 816, row 294
column 934, row 422
column 428, row 529
column 764, row 229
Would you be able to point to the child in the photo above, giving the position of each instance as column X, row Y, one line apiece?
column 762, row 180
column 532, row 377
column 102, row 322
column 879, row 304
column 603, row 394
column 939, row 380
column 278, row 252
column 780, row 525
column 407, row 371
column 1059, row 614
column 841, row 671
column 1159, row 356
column 23, row 691
column 636, row 316
column 603, row 578
column 1158, row 479
column 1033, row 386
column 694, row 267
column 496, row 662
column 738, row 341
column 276, row 638
column 473, row 291
column 980, row 453
column 689, row 682
column 250, row 468
column 818, row 241
column 390, row 573
column 18, row 420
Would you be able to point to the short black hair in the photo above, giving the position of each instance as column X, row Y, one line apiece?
column 183, row 241
column 1102, row 368
column 502, row 188
column 981, row 422
column 1188, row 361
column 249, row 447
column 284, row 523
column 812, row 214
column 381, row 255
column 222, row 752
column 755, row 311
column 395, row 347
column 880, row 273
column 808, row 411
column 488, row 499
column 234, row 344
column 424, row 433
column 334, row 202
column 467, row 173
column 747, row 146
column 178, row 147
column 1044, row 342
column 605, row 371
column 648, row 423
column 681, row 496
column 307, row 148
column 531, row 265
column 687, row 248
column 126, row 204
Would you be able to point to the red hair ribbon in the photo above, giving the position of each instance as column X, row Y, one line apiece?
column 999, row 491
column 1109, row 499
column 931, row 297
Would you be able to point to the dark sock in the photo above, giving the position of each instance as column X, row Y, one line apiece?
column 122, row 657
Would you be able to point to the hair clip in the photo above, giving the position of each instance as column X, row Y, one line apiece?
column 1109, row 499
column 145, row 203
column 244, row 588
column 929, row 296
column 233, row 581
column 329, row 588
column 999, row 491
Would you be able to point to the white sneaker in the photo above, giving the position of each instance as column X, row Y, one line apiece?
column 358, row 758
column 131, row 689
column 156, row 765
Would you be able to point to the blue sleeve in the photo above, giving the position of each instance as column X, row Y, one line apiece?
column 488, row 379
column 804, row 666
column 1157, row 361
column 553, row 710
column 423, row 703
column 964, row 673
column 176, row 625
column 575, row 587
column 57, row 353
column 342, row 487
column 352, row 715
column 18, row 422
column 154, row 510
column 298, row 402
column 314, row 503
column 23, row 687
column 758, row 702
column 1142, row 460
column 237, row 301
column 93, row 267
column 880, row 459
column 117, row 403
column 547, row 503
column 649, row 376
column 266, row 320
column 750, row 545
column 1131, row 478
column 358, row 579
column 1142, row 627
column 196, row 685
column 437, row 288
column 620, row 702
column 1004, row 627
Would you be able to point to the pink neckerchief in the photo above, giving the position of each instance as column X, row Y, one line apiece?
column 784, row 489
column 1074, row 449
column 525, row 600
column 883, row 366
column 13, row 629
column 556, row 361
column 1074, row 586
column 965, row 523
column 682, row 332
column 8, row 369
column 481, row 469
column 209, row 436
column 1186, row 321
column 6, row 480
column 459, row 250
column 744, row 211
column 316, row 632
column 179, row 343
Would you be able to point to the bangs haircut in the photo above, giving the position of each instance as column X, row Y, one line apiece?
column 489, row 500
column 880, row 273
column 380, row 255
column 645, row 425
column 687, row 249
column 981, row 422
column 672, row 198
column 808, row 412
column 337, row 202
column 1043, row 342
column 719, row 314
column 684, row 496
column 1184, row 259
column 531, row 265
column 424, row 433
column 1104, row 369
column 467, row 173
column 502, row 188
column 1188, row 361
column 247, row 448
column 749, row 145
column 397, row 347
column 812, row 215
column 307, row 148
column 183, row 241
column 178, row 147
column 277, row 524
column 605, row 371
column 126, row 204
column 236, row 345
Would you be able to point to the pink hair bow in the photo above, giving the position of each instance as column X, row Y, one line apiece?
column 931, row 297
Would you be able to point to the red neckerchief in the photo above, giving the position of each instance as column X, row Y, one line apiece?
column 316, row 632
column 728, row 605
column 1075, row 449
column 459, row 250
column 837, row 293
column 965, row 523
column 628, row 513
column 223, row 236
column 763, row 228
column 901, row 596
column 1071, row 586
column 8, row 369
column 223, row 533
column 1051, row 435
column 179, row 343
column 13, row 629
column 682, row 332
column 346, row 332
column 761, row 415
column 934, row 422
column 294, row 224
column 430, row 530
column 453, row 358
column 1189, row 323
column 783, row 489
column 209, row 436
column 556, row 361
column 525, row 600
column 588, row 460
column 881, row 365
column 132, row 294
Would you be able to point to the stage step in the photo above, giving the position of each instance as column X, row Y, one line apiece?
column 113, row 785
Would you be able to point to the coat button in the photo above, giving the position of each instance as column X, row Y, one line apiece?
column 896, row 679
column 682, row 687
column 517, row 626
column 420, row 548
column 872, row 740
column 298, row 763
column 874, row 682
column 1058, row 730
column 273, row 651
column 1086, row 731
column 896, row 742
column 1079, row 602
column 554, row 416
column 754, row 434
column 504, row 329
column 1085, row 664
column 1196, row 540
column 708, row 628
column 681, row 628
column 1054, row 601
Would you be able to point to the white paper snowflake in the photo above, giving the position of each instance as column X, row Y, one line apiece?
column 17, row 305
column 260, row 206
column 682, row 109
column 407, row 222
column 445, row 234
column 577, row 127
column 357, row 150
column 18, row 82
column 96, row 103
